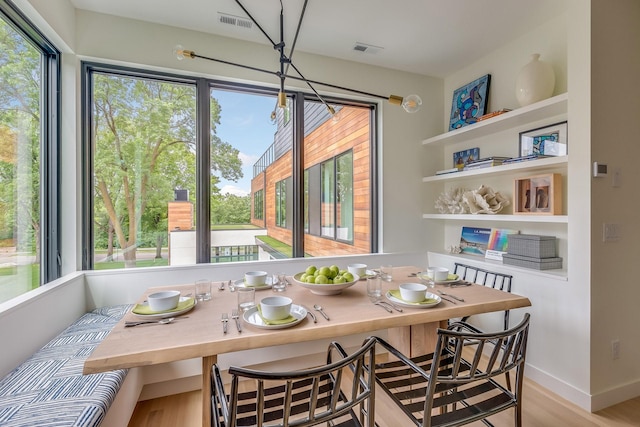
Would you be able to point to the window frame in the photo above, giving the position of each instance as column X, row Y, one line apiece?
column 50, row 128
column 295, row 203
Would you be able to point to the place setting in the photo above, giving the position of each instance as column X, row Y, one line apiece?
column 274, row 312
column 162, row 305
column 413, row 295
column 259, row 280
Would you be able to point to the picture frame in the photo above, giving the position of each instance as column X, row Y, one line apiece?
column 538, row 195
column 545, row 141
column 462, row 158
column 469, row 102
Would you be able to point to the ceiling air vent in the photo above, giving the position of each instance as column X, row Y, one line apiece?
column 235, row 21
column 366, row 48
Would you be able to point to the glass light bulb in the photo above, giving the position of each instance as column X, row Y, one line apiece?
column 178, row 51
column 411, row 103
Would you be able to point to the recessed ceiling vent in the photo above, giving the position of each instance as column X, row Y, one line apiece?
column 235, row 21
column 367, row 48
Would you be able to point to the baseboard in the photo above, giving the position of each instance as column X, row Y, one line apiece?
column 559, row 387
column 615, row 395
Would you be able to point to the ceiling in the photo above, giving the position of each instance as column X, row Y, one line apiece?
column 429, row 37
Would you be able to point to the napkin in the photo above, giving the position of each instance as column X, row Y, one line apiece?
column 449, row 277
column 290, row 318
column 396, row 294
column 145, row 309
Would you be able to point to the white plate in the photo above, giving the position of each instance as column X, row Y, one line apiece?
column 252, row 317
column 166, row 314
column 328, row 289
column 424, row 276
column 367, row 274
column 267, row 285
column 403, row 303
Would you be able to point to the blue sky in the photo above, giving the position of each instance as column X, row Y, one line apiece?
column 245, row 123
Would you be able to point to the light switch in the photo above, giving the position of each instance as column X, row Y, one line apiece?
column 611, row 232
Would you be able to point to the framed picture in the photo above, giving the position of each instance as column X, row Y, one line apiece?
column 462, row 158
column 538, row 195
column 547, row 141
column 469, row 102
column 474, row 240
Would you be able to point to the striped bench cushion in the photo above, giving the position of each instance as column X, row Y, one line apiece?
column 49, row 389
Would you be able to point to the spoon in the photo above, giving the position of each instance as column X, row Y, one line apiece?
column 144, row 322
column 319, row 308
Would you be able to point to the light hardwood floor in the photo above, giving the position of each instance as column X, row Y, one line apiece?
column 541, row 409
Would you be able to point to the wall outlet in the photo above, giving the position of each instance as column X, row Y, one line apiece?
column 615, row 349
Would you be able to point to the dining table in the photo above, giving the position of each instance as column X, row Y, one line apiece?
column 199, row 332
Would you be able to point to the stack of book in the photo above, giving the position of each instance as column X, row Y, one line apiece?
column 485, row 163
column 495, row 113
column 525, row 158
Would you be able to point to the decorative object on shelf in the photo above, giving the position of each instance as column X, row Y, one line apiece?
column 474, row 240
column 535, row 81
column 548, row 141
column 493, row 114
column 469, row 102
column 531, row 262
column 450, row 202
column 484, row 201
column 464, row 157
column 453, row 249
column 532, row 245
column 410, row 103
column 538, row 195
column 498, row 243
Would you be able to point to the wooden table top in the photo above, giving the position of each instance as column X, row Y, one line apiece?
column 351, row 312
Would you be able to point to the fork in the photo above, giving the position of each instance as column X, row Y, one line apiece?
column 236, row 317
column 225, row 320
column 221, row 286
column 452, row 296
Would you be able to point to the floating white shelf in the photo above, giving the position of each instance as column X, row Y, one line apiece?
column 550, row 107
column 554, row 219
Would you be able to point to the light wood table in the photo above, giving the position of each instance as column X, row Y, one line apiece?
column 351, row 312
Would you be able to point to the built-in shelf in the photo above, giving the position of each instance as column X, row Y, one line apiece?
column 555, row 219
column 541, row 110
column 531, row 165
column 558, row 274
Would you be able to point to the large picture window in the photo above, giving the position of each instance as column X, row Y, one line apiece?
column 173, row 180
column 29, row 135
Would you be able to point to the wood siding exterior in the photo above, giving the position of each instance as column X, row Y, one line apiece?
column 326, row 141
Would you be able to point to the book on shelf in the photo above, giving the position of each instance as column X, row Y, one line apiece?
column 446, row 171
column 493, row 114
column 474, row 240
column 498, row 242
column 525, row 158
column 485, row 163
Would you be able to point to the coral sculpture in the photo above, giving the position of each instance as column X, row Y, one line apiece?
column 450, row 202
column 484, row 201
column 461, row 201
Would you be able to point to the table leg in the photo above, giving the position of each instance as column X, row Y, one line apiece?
column 415, row 340
column 207, row 364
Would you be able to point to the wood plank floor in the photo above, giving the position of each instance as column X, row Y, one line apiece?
column 541, row 409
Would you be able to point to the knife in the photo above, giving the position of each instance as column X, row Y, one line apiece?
column 447, row 299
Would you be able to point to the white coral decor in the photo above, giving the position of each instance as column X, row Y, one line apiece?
column 450, row 202
column 461, row 201
column 484, row 201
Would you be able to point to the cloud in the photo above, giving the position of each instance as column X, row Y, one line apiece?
column 247, row 159
column 232, row 189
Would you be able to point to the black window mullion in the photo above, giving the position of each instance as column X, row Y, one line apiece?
column 203, row 168
column 298, row 177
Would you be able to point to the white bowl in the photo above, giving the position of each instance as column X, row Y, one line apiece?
column 275, row 308
column 328, row 289
column 438, row 274
column 359, row 269
column 164, row 300
column 255, row 278
column 413, row 292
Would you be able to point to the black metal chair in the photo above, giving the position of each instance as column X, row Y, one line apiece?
column 486, row 278
column 445, row 389
column 308, row 397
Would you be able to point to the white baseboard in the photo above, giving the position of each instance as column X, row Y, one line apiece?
column 559, row 387
column 615, row 395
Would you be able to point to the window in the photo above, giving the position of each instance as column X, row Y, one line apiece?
column 173, row 180
column 258, row 204
column 29, row 134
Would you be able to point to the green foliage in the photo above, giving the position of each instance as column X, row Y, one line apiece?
column 230, row 209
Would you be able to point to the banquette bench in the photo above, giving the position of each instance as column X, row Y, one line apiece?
column 49, row 389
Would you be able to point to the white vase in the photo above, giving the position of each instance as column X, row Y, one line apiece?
column 535, row 81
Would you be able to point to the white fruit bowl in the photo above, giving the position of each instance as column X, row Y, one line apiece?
column 328, row 289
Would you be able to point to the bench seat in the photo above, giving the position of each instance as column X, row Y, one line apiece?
column 49, row 389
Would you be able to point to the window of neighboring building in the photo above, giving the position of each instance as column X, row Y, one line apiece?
column 328, row 198
column 258, row 204
column 29, row 135
column 337, row 197
column 281, row 203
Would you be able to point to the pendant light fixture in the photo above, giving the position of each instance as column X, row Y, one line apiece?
column 410, row 103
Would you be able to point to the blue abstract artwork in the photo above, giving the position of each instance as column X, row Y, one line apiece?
column 469, row 102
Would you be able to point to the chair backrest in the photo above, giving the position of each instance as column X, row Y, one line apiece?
column 486, row 278
column 304, row 398
column 457, row 369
